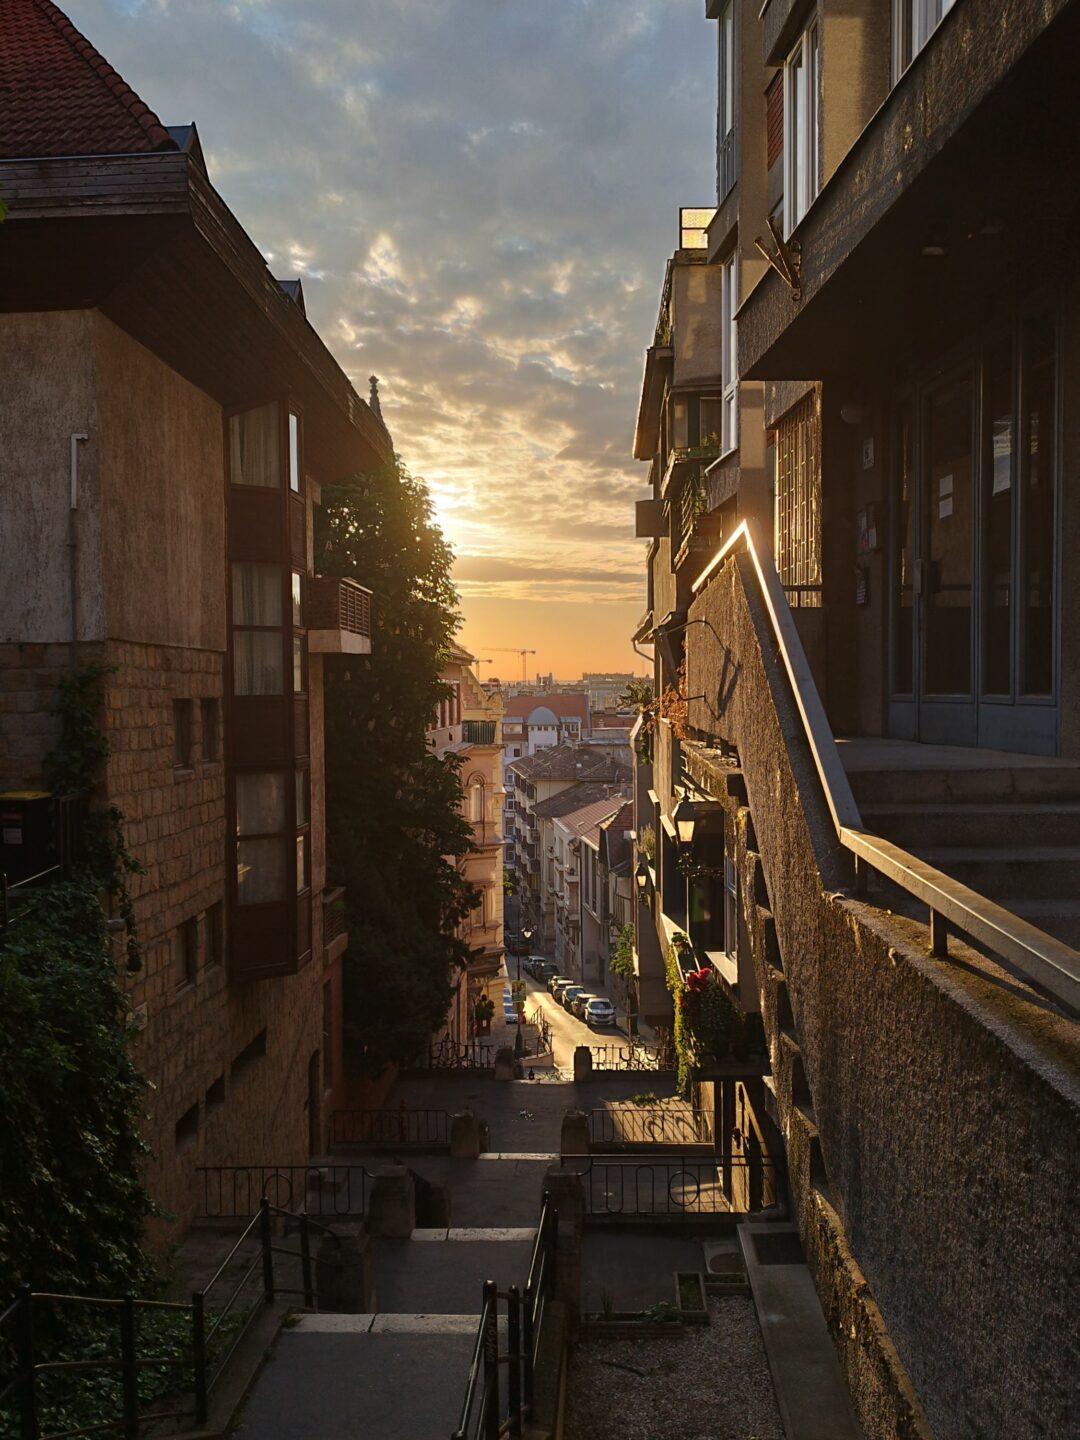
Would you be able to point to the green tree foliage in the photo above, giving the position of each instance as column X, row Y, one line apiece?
column 622, row 958
column 74, row 1205
column 395, row 829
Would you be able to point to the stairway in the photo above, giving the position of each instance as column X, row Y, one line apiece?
column 1007, row 826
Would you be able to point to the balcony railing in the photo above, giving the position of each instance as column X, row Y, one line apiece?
column 478, row 732
column 333, row 915
column 338, row 615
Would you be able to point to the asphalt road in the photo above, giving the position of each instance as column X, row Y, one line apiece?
column 567, row 1030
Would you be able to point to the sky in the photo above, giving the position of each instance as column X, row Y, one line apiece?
column 479, row 196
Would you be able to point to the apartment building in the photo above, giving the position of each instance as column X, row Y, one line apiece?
column 591, row 885
column 169, row 417
column 469, row 724
column 858, row 796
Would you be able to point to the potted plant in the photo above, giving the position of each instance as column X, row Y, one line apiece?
column 483, row 1013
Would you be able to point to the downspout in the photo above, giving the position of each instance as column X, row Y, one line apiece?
column 73, row 545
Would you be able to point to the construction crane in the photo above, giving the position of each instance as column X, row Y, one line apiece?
column 513, row 650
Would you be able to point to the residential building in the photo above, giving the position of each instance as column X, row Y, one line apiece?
column 169, row 416
column 532, row 722
column 535, row 783
column 587, row 898
column 468, row 723
column 604, row 687
column 858, row 803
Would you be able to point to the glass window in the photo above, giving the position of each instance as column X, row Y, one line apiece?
column 1038, row 483
column 801, row 128
column 302, row 816
column 730, row 356
column 997, row 528
column 914, row 21
column 255, row 447
column 260, row 871
column 947, row 582
column 256, row 594
column 297, row 605
column 260, row 803
column 904, row 554
column 294, row 453
column 725, row 109
column 298, row 664
column 258, row 663
column 710, row 420
column 301, row 863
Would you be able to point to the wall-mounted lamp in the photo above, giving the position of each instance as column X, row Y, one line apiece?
column 852, row 414
column 641, row 878
column 685, row 818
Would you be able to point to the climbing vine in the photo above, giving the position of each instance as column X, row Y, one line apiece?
column 708, row 1024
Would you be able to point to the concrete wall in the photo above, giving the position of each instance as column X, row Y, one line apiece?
column 929, row 1113
column 49, row 393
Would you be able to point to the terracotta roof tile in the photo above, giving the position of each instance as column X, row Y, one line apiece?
column 58, row 96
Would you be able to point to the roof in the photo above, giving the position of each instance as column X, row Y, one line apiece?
column 59, row 96
column 570, row 762
column 576, row 797
column 586, row 821
column 562, row 706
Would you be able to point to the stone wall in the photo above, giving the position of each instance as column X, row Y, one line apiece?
column 929, row 1111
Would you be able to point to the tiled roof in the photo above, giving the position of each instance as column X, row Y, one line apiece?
column 58, row 96
column 586, row 820
column 570, row 762
column 575, row 797
column 562, row 706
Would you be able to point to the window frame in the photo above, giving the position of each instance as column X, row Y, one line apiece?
column 802, row 110
column 729, row 368
column 912, row 25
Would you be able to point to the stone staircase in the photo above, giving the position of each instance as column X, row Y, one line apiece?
column 1007, row 826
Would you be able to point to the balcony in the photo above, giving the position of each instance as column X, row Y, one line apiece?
column 478, row 732
column 338, row 616
column 335, row 936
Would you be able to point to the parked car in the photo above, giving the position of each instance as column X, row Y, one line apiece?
column 536, row 965
column 555, row 981
column 547, row 970
column 577, row 1005
column 566, row 995
column 599, row 1012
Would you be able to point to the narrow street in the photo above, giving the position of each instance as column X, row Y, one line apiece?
column 567, row 1031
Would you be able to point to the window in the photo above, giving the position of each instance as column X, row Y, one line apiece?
column 798, row 504
column 260, row 822
column 298, row 664
column 255, row 448
column 729, row 436
column 301, row 799
column 215, row 935
column 252, row 1052
column 210, row 713
column 258, row 659
column 182, row 726
column 294, row 453
column 801, row 128
column 297, row 603
column 731, row 909
column 187, row 953
column 914, row 21
column 725, row 105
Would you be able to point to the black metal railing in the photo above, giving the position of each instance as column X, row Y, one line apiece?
column 675, row 1123
column 634, row 1057
column 231, row 1192
column 333, row 913
column 391, row 1129
column 214, row 1320
column 543, row 1031
column 483, row 1414
column 449, row 1054
column 676, row 1185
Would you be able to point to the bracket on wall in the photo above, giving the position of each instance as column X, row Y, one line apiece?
column 787, row 262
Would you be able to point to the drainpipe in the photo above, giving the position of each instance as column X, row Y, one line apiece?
column 73, row 545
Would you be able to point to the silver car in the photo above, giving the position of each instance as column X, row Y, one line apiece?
column 599, row 1012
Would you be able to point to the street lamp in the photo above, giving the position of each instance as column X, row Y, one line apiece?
column 685, row 818
column 641, row 879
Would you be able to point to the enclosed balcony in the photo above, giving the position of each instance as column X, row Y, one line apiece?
column 338, row 616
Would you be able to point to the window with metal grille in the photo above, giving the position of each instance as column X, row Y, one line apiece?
column 798, row 504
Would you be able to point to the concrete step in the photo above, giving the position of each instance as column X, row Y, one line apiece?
column 918, row 826
column 1029, row 783
column 1036, row 872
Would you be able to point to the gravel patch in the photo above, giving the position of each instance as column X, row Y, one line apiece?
column 713, row 1384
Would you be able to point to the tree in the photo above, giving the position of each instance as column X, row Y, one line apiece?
column 395, row 832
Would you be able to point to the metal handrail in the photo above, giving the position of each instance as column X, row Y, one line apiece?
column 1049, row 963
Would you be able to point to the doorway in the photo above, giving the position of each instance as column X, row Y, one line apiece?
column 974, row 590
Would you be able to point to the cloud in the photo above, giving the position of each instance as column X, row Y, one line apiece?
column 480, row 196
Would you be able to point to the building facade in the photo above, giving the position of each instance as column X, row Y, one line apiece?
column 867, row 695
column 469, row 724
column 169, row 418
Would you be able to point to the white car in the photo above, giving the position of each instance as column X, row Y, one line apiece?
column 599, row 1012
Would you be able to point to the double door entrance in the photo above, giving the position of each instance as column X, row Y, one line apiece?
column 974, row 570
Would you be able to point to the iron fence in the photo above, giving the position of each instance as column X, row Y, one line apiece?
column 675, row 1123
column 449, row 1054
column 212, row 1342
column 231, row 1192
column 543, row 1031
column 633, row 1057
column 676, row 1185
column 391, row 1129
column 483, row 1413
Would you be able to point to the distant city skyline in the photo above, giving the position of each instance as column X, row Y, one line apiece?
column 479, row 206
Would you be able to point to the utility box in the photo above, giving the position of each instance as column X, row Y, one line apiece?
column 27, row 833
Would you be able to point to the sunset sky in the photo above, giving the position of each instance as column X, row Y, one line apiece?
column 479, row 196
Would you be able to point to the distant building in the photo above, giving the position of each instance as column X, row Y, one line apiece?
column 604, row 687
